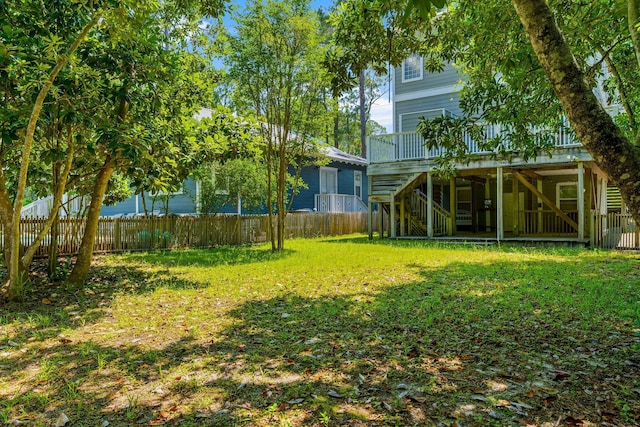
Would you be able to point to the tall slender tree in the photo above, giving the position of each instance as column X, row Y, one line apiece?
column 274, row 63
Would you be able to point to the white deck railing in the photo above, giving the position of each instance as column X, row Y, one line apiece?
column 38, row 208
column 411, row 145
column 338, row 203
column 42, row 207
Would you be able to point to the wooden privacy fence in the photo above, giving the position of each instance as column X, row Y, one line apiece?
column 614, row 231
column 129, row 234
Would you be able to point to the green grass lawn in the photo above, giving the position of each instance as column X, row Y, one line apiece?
column 331, row 332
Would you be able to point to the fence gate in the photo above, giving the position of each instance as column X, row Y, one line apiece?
column 614, row 231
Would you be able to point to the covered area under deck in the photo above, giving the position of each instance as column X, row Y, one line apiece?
column 546, row 203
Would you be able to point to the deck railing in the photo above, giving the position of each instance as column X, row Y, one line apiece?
column 546, row 222
column 338, row 203
column 441, row 216
column 441, row 219
column 411, row 145
column 42, row 207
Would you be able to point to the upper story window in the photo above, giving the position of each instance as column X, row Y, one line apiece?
column 412, row 68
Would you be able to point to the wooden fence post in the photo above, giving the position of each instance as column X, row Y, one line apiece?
column 116, row 235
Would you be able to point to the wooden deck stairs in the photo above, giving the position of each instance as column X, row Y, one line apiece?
column 417, row 207
column 404, row 189
column 384, row 186
column 419, row 213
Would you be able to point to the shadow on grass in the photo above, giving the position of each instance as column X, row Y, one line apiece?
column 42, row 312
column 478, row 243
column 506, row 343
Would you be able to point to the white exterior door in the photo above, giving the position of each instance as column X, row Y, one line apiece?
column 357, row 183
column 328, row 180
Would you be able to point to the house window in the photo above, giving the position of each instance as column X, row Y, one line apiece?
column 357, row 183
column 412, row 68
column 328, row 180
column 567, row 196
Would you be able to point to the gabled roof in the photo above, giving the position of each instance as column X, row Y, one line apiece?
column 340, row 156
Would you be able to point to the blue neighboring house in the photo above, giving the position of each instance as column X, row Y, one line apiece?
column 339, row 186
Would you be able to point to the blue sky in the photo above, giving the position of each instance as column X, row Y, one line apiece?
column 381, row 111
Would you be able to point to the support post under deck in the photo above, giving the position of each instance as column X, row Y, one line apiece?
column 429, row 205
column 380, row 221
column 370, row 219
column 403, row 216
column 516, row 206
column 392, row 216
column 500, row 204
column 453, row 204
column 580, row 200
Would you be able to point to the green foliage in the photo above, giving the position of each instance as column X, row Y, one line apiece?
column 346, row 135
column 124, row 99
column 505, row 84
column 223, row 183
column 371, row 35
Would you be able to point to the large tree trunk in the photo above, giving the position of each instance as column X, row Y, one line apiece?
column 269, row 162
column 9, row 290
column 85, row 253
column 615, row 154
column 59, row 187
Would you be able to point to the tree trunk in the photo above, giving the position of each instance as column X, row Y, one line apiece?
column 7, row 291
column 12, row 291
column 144, row 203
column 282, row 189
column 14, row 232
column 593, row 126
column 336, row 131
column 52, row 262
column 270, row 170
column 633, row 15
column 363, row 117
column 85, row 253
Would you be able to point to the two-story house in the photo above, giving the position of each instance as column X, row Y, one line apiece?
column 548, row 198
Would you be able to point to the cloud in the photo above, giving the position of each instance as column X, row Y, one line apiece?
column 382, row 112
